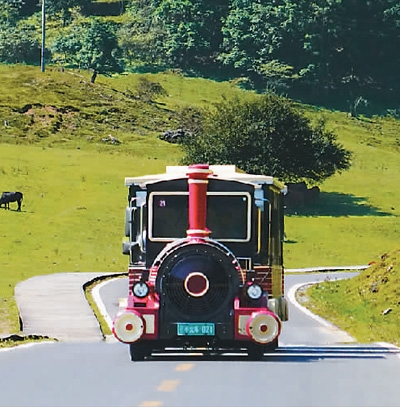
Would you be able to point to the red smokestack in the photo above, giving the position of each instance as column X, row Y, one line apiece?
column 198, row 181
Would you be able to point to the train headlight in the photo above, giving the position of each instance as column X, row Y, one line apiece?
column 140, row 289
column 254, row 291
column 128, row 327
column 263, row 327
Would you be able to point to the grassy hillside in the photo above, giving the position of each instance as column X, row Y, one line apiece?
column 52, row 149
column 63, row 109
column 358, row 206
column 366, row 306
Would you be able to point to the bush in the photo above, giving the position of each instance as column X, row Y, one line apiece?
column 267, row 135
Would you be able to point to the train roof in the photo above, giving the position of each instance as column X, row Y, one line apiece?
column 225, row 172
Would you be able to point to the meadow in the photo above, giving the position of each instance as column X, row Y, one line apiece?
column 72, row 217
column 357, row 218
column 366, row 306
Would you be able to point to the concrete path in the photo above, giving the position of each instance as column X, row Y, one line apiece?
column 55, row 305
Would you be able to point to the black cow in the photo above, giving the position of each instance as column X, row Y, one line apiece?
column 7, row 197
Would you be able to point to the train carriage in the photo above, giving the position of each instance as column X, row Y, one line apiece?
column 205, row 262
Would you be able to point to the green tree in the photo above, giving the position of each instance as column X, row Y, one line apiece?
column 90, row 44
column 266, row 135
column 141, row 36
column 182, row 34
column 193, row 30
column 19, row 44
column 10, row 11
column 348, row 43
column 254, row 32
column 62, row 8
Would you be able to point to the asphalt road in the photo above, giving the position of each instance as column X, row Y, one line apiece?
column 312, row 368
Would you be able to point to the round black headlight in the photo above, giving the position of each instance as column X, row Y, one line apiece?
column 140, row 289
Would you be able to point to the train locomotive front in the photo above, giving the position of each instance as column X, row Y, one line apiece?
column 206, row 269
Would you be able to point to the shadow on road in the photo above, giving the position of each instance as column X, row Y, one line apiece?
column 302, row 354
column 316, row 353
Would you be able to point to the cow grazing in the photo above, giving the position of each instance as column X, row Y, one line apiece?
column 7, row 197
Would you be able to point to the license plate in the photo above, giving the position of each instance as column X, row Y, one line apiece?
column 196, row 329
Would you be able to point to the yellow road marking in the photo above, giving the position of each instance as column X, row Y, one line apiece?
column 168, row 385
column 184, row 367
column 151, row 404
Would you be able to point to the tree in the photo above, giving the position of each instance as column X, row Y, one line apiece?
column 9, row 10
column 90, row 44
column 258, row 32
column 19, row 44
column 193, row 30
column 141, row 36
column 276, row 74
column 62, row 8
column 182, row 34
column 266, row 135
column 348, row 43
column 335, row 47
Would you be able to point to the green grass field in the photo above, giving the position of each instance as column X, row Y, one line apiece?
column 72, row 217
column 367, row 306
column 357, row 218
column 72, row 214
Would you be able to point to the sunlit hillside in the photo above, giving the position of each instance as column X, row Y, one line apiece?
column 366, row 306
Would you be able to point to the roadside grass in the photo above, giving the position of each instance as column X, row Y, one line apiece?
column 72, row 217
column 105, row 329
column 366, row 306
column 17, row 340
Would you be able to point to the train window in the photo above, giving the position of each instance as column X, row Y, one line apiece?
column 228, row 216
column 169, row 218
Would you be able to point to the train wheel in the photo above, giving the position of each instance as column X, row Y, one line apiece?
column 255, row 351
column 139, row 351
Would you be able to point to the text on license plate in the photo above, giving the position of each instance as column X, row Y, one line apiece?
column 195, row 328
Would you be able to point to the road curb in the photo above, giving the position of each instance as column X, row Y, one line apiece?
column 100, row 304
column 291, row 296
column 326, row 269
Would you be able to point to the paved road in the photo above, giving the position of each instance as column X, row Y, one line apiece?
column 100, row 374
column 55, row 305
column 313, row 368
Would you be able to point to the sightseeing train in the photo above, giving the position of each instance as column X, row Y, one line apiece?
column 205, row 262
